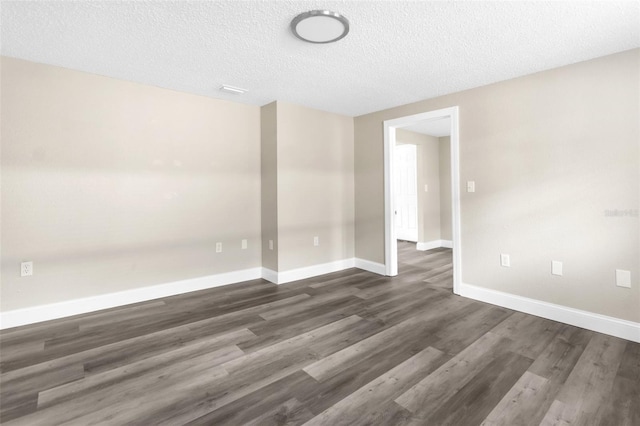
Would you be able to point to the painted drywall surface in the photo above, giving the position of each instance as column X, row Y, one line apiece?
column 110, row 185
column 269, row 191
column 445, row 188
column 553, row 155
column 431, row 175
column 315, row 187
column 369, row 188
column 428, row 159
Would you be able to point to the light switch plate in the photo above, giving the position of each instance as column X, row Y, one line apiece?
column 556, row 267
column 426, row 188
column 471, row 186
column 505, row 260
column 244, row 244
column 623, row 278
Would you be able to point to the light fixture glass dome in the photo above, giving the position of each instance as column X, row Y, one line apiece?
column 320, row 26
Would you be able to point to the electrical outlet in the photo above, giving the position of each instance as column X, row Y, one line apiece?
column 623, row 278
column 316, row 241
column 26, row 269
column 218, row 247
column 270, row 244
column 244, row 244
column 471, row 186
column 505, row 260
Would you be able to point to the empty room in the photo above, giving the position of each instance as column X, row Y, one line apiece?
column 320, row 213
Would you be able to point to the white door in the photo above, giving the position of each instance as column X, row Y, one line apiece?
column 406, row 193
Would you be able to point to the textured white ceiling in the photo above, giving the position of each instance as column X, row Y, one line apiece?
column 397, row 51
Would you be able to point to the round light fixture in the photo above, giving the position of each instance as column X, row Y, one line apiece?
column 320, row 26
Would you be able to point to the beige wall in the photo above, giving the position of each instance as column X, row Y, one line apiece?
column 109, row 185
column 550, row 153
column 430, row 159
column 315, row 186
column 269, row 173
column 445, row 187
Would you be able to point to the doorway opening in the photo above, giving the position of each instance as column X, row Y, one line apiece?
column 391, row 187
column 406, row 192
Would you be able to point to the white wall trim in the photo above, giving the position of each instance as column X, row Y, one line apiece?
column 367, row 265
column 591, row 321
column 429, row 245
column 390, row 243
column 270, row 275
column 307, row 272
column 84, row 305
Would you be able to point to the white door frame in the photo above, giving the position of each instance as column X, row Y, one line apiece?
column 391, row 243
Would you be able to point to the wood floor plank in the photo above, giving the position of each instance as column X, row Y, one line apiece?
column 560, row 414
column 18, row 392
column 521, row 405
column 198, row 400
column 113, row 317
column 338, row 361
column 20, row 350
column 331, row 299
column 559, row 358
column 132, row 371
column 350, row 347
column 475, row 400
column 141, row 410
column 26, row 405
column 434, row 390
column 291, row 412
column 253, row 405
column 98, row 406
column 365, row 370
column 346, row 338
column 553, row 364
column 32, row 335
column 41, row 377
column 623, row 407
column 341, row 281
column 253, row 360
column 384, row 287
column 274, row 331
column 364, row 405
column 530, row 334
column 586, row 390
column 479, row 319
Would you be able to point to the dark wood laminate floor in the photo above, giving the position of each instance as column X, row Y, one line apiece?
column 346, row 348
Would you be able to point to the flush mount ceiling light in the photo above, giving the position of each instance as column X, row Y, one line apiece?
column 231, row 89
column 320, row 26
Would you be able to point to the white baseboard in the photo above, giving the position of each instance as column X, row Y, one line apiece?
column 306, row 272
column 52, row 311
column 591, row 321
column 324, row 268
column 367, row 265
column 428, row 245
column 270, row 275
column 447, row 243
column 84, row 305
